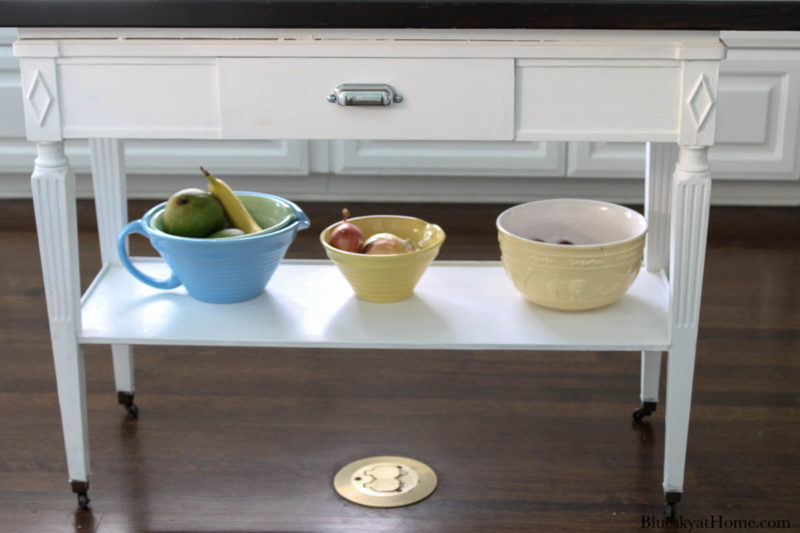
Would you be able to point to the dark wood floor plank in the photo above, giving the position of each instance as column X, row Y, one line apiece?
column 243, row 439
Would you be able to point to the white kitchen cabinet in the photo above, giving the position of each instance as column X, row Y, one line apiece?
column 15, row 152
column 756, row 157
column 448, row 158
column 452, row 171
column 607, row 160
column 758, row 119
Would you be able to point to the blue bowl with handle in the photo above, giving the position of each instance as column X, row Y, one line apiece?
column 225, row 270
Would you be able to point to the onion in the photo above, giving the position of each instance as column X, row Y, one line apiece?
column 387, row 244
column 347, row 236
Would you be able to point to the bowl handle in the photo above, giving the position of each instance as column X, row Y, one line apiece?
column 137, row 227
column 302, row 219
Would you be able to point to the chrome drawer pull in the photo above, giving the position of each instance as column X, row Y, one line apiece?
column 364, row 94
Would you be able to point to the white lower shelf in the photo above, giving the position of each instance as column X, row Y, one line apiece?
column 456, row 305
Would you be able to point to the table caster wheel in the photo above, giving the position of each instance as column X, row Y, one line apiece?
column 131, row 411
column 647, row 409
column 671, row 499
column 126, row 400
column 81, row 489
column 83, row 500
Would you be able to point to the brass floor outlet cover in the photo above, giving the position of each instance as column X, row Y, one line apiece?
column 385, row 481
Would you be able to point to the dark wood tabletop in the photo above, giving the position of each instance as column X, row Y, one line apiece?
column 467, row 14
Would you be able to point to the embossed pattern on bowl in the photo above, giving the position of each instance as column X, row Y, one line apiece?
column 593, row 272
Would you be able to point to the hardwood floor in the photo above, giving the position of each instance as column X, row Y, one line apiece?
column 249, row 439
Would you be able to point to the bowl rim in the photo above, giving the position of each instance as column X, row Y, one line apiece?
column 558, row 246
column 283, row 225
column 381, row 257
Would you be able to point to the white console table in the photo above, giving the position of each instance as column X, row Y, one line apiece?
column 658, row 87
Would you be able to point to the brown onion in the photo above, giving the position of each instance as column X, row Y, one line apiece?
column 346, row 235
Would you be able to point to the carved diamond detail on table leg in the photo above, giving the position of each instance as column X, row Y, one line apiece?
column 39, row 96
column 700, row 102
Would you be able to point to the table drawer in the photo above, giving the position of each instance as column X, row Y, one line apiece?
column 455, row 99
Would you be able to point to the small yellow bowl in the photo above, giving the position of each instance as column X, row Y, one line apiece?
column 387, row 278
column 594, row 271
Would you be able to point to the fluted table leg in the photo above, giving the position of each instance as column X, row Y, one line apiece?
column 53, row 188
column 691, row 193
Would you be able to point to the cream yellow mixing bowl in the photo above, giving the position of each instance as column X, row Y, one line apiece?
column 597, row 267
column 387, row 278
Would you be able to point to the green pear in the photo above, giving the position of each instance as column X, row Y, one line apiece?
column 193, row 213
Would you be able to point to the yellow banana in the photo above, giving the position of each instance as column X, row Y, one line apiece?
column 233, row 207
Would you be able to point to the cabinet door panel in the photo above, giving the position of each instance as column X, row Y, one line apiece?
column 448, row 158
column 605, row 160
column 757, row 128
